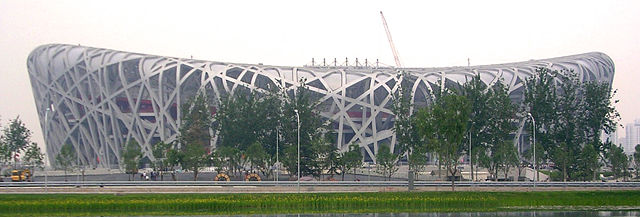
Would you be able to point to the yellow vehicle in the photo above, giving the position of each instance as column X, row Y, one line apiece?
column 21, row 175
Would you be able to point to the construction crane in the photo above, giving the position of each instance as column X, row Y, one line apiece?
column 393, row 47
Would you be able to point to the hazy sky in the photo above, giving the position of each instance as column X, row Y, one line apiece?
column 426, row 34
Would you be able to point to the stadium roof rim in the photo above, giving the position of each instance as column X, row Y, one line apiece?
column 598, row 54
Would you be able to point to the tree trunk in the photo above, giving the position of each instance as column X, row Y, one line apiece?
column 453, row 178
column 439, row 169
column 564, row 171
column 355, row 172
column 471, row 167
column 195, row 174
column 506, row 172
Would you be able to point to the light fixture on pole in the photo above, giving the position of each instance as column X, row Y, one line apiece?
column 46, row 122
column 277, row 153
column 298, row 120
column 470, row 157
column 535, row 167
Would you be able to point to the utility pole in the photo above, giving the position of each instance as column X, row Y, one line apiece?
column 535, row 168
column 46, row 122
column 470, row 157
column 298, row 119
column 277, row 154
column 470, row 153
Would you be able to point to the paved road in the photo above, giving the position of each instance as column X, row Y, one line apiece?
column 203, row 176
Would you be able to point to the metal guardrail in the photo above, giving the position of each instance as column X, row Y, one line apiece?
column 319, row 183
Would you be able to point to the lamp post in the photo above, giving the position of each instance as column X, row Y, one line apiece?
column 46, row 122
column 277, row 153
column 535, row 167
column 470, row 158
column 78, row 157
column 298, row 120
column 471, row 155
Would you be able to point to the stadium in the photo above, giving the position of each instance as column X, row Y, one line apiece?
column 98, row 99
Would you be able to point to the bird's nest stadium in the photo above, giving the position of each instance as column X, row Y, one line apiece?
column 98, row 99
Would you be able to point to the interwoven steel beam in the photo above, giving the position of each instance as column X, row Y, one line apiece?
column 103, row 98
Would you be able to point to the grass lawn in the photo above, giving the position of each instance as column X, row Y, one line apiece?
column 212, row 204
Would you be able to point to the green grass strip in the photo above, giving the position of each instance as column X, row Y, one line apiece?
column 227, row 204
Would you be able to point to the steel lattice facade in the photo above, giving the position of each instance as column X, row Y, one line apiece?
column 103, row 98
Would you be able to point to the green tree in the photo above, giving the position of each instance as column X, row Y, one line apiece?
column 237, row 120
column 194, row 157
column 636, row 158
column 174, row 159
column 131, row 155
column 444, row 126
column 314, row 130
column 160, row 151
column 16, row 138
column 600, row 114
column 34, row 157
column 568, row 125
column 489, row 160
column 331, row 163
column 386, row 161
column 540, row 154
column 404, row 127
column 194, row 138
column 479, row 124
column 257, row 156
column 618, row 161
column 269, row 121
column 5, row 154
column 418, row 159
column 65, row 159
column 496, row 127
column 350, row 160
column 508, row 156
column 540, row 100
column 327, row 157
column 249, row 117
column 231, row 158
column 216, row 160
column 500, row 157
column 563, row 156
column 569, row 115
column 588, row 162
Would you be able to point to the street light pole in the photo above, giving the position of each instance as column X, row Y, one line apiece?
column 277, row 153
column 78, row 157
column 470, row 157
column 535, row 167
column 298, row 120
column 46, row 122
